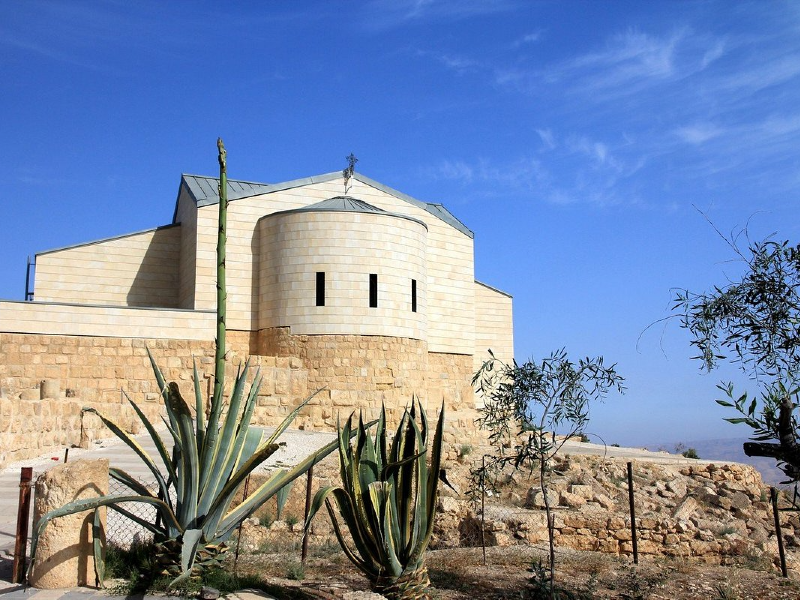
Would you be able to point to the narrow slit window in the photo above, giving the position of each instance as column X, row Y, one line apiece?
column 413, row 295
column 373, row 290
column 320, row 288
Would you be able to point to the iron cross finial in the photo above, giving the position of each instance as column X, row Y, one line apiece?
column 348, row 172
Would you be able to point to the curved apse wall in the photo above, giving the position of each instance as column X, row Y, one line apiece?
column 347, row 246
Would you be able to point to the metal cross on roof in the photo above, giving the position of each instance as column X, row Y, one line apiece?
column 348, row 172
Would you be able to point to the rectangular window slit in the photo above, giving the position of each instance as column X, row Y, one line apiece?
column 373, row 290
column 320, row 288
column 413, row 295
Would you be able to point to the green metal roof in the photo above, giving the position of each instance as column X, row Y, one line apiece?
column 346, row 204
column 205, row 191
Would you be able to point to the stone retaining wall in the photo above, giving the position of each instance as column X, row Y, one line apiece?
column 353, row 373
column 361, row 372
column 709, row 511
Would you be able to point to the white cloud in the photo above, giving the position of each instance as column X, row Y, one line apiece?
column 530, row 38
column 712, row 54
column 454, row 170
column 579, row 171
column 459, row 64
column 385, row 14
column 767, row 72
column 547, row 137
column 698, row 133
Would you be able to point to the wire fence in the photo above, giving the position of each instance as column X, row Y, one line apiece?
column 122, row 531
column 585, row 517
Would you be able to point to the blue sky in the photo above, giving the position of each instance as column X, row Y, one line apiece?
column 585, row 144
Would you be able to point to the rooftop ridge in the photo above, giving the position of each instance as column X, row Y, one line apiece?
column 204, row 192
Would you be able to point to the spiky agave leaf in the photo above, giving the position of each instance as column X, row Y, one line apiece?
column 209, row 460
column 137, row 448
column 387, row 500
column 85, row 504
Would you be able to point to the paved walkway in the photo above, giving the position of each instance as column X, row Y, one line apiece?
column 298, row 445
column 18, row 592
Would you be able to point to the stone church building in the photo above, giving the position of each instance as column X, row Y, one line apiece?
column 369, row 295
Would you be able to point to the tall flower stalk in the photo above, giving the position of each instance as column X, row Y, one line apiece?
column 209, row 463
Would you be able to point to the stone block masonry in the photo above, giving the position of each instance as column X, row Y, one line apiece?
column 362, row 372
column 45, row 381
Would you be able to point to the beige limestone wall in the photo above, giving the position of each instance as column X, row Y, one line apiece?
column 361, row 372
column 347, row 247
column 134, row 270
column 32, row 427
column 451, row 275
column 186, row 215
column 93, row 371
column 494, row 326
column 450, row 293
column 110, row 321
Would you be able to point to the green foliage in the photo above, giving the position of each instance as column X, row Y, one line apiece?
column 291, row 521
column 541, row 586
column 686, row 452
column 266, row 518
column 295, row 571
column 209, row 461
column 136, row 571
column 526, row 406
column 387, row 501
column 755, row 323
column 640, row 586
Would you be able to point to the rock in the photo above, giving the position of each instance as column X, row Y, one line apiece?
column 49, row 388
column 535, row 498
column 603, row 501
column 685, row 509
column 208, row 593
column 65, row 556
column 448, row 505
column 759, row 534
column 362, row 596
column 584, row 491
column 683, row 526
column 677, row 487
column 571, row 500
column 740, row 501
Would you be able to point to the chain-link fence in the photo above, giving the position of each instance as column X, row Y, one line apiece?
column 705, row 511
column 121, row 530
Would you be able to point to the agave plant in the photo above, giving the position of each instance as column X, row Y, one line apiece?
column 388, row 501
column 209, row 461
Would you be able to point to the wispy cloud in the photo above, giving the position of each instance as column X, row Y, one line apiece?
column 530, row 38
column 698, row 133
column 576, row 170
column 386, row 14
column 453, row 62
column 547, row 137
column 48, row 29
column 629, row 63
column 696, row 103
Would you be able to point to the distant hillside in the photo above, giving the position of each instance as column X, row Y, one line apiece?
column 730, row 449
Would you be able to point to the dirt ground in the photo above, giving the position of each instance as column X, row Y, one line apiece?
column 460, row 574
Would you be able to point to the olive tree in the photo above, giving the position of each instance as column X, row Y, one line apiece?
column 530, row 410
column 754, row 322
